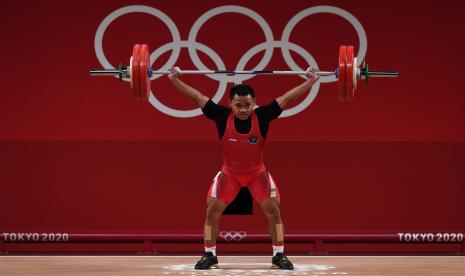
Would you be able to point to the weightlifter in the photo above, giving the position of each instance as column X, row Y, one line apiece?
column 242, row 132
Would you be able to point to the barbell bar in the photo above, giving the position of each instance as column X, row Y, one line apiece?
column 139, row 72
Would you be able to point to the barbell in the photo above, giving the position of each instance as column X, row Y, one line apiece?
column 139, row 72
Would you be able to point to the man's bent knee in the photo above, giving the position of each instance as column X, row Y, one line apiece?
column 215, row 207
column 270, row 205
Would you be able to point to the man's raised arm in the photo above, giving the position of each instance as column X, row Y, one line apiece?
column 185, row 89
column 298, row 91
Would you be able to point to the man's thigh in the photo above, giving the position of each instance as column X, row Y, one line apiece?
column 224, row 187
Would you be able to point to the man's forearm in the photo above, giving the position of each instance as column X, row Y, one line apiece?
column 190, row 92
column 295, row 93
column 298, row 91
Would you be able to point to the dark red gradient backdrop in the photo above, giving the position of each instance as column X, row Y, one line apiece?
column 80, row 154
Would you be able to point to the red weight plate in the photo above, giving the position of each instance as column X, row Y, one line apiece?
column 135, row 70
column 341, row 82
column 144, row 80
column 350, row 87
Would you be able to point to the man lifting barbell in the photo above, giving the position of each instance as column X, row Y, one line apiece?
column 242, row 132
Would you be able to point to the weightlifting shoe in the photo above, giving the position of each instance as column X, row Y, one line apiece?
column 280, row 261
column 207, row 261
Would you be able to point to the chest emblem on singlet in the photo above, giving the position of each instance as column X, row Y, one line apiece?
column 253, row 140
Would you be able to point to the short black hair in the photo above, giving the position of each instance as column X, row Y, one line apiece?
column 241, row 90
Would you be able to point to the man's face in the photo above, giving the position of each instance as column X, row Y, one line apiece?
column 242, row 106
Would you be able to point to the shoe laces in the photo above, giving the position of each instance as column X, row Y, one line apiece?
column 283, row 260
column 204, row 257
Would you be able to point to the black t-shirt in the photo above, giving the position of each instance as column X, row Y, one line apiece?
column 219, row 114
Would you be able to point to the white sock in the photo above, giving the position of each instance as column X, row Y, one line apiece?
column 211, row 249
column 278, row 249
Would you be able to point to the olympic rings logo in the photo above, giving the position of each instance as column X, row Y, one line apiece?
column 268, row 46
column 233, row 235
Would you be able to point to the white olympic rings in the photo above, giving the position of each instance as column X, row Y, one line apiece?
column 233, row 235
column 268, row 46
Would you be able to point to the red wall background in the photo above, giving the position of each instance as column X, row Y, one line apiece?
column 80, row 154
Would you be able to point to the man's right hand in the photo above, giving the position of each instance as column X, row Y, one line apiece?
column 310, row 74
column 175, row 73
